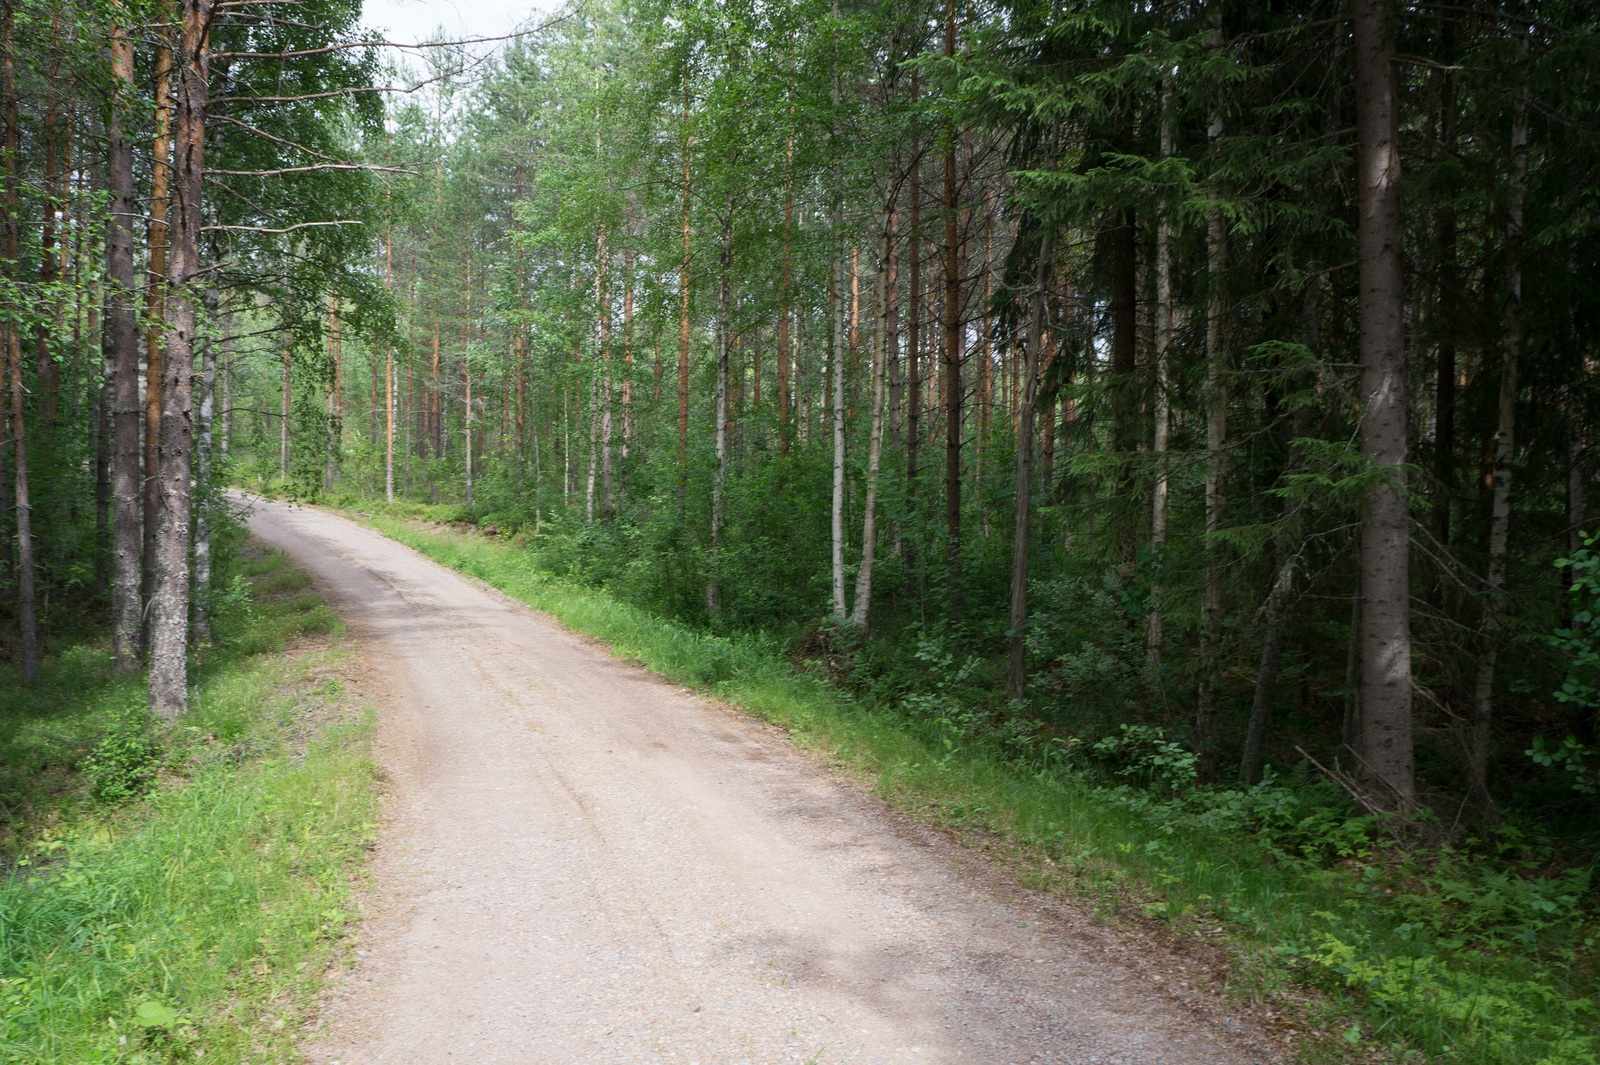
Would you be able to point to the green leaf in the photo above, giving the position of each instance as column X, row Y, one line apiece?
column 153, row 1014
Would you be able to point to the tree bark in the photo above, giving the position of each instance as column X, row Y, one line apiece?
column 283, row 417
column 1504, row 454
column 388, row 376
column 914, row 309
column 47, row 380
column 155, row 309
column 330, row 460
column 888, row 340
column 200, row 612
column 785, row 290
column 27, row 617
column 1155, row 626
column 719, row 481
column 603, row 320
column 953, row 327
column 683, row 314
column 170, row 605
column 1216, row 404
column 121, row 349
column 1385, row 697
column 1016, row 643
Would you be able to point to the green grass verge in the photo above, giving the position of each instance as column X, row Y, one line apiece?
column 196, row 918
column 1373, row 943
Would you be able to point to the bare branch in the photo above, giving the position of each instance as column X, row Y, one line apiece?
column 349, row 45
column 276, row 140
column 373, row 167
column 285, row 229
column 352, row 90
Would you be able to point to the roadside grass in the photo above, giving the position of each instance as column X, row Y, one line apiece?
column 1405, row 963
column 177, row 894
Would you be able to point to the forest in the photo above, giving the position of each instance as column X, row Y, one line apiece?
column 1196, row 393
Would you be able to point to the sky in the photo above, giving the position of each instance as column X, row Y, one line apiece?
column 417, row 20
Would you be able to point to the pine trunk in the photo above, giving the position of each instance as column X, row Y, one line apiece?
column 169, row 607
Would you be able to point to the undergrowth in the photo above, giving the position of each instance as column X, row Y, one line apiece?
column 1480, row 954
column 175, row 894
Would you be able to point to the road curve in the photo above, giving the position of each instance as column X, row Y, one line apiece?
column 581, row 863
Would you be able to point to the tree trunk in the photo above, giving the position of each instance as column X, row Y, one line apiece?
column 1385, row 699
column 683, row 313
column 953, row 392
column 155, row 309
column 47, row 380
column 389, row 383
column 1216, row 404
column 283, row 419
column 27, row 618
column 785, row 289
column 330, row 460
column 888, row 340
column 602, row 299
column 719, row 482
column 170, row 606
column 836, row 528
column 627, row 352
column 1281, row 594
column 200, row 607
column 1125, row 430
column 1444, row 435
column 1504, row 453
column 1154, row 629
column 121, row 347
column 1016, row 644
column 914, row 311
column 1276, row 613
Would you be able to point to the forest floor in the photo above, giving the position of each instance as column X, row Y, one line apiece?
column 581, row 862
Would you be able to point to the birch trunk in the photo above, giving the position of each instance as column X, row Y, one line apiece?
column 887, row 342
column 719, row 481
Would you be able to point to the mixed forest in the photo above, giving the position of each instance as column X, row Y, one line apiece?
column 1199, row 393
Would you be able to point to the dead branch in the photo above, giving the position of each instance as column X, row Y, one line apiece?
column 319, row 166
column 285, row 229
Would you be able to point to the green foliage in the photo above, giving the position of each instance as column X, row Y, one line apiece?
column 123, row 765
column 1143, row 754
column 1572, row 760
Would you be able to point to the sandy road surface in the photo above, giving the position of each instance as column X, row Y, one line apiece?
column 584, row 864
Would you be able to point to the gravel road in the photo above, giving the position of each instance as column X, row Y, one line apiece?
column 581, row 863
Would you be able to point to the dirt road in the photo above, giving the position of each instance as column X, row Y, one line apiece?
column 584, row 864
